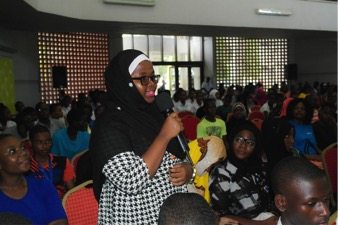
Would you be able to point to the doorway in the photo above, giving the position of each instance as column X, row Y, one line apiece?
column 179, row 76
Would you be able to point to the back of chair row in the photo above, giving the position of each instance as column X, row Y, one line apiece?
column 80, row 205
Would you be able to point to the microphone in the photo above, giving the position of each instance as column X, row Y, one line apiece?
column 165, row 104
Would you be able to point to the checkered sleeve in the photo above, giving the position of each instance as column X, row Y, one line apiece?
column 127, row 172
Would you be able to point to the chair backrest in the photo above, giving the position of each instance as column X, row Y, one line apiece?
column 258, row 123
column 190, row 126
column 329, row 158
column 80, row 205
column 76, row 158
column 255, row 108
column 185, row 113
column 256, row 115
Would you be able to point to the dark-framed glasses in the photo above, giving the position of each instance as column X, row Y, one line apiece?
column 146, row 79
column 248, row 141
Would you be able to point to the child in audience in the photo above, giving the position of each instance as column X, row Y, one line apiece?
column 210, row 124
column 32, row 198
column 238, row 185
column 302, row 192
column 73, row 139
column 57, row 169
column 299, row 114
column 237, row 116
column 25, row 120
column 7, row 126
column 57, row 119
column 42, row 110
column 185, row 209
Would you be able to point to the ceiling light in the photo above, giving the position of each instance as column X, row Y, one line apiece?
column 274, row 12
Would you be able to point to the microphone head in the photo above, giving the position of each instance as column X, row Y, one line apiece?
column 164, row 101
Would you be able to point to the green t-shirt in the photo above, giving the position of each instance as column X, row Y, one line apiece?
column 207, row 128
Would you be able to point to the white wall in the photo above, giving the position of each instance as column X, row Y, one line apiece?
column 25, row 64
column 306, row 15
column 316, row 60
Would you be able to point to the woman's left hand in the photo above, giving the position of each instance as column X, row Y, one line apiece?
column 180, row 174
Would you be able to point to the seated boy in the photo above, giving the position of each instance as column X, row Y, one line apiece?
column 185, row 209
column 43, row 164
column 210, row 124
column 302, row 192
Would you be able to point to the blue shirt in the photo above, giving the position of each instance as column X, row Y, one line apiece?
column 40, row 205
column 305, row 141
column 64, row 146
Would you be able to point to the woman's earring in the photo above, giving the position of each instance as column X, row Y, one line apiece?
column 130, row 84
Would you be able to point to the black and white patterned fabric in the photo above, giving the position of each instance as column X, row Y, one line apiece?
column 238, row 191
column 129, row 195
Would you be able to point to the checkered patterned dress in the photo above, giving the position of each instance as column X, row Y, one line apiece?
column 129, row 195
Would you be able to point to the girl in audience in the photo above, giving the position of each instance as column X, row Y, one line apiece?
column 26, row 119
column 214, row 94
column 57, row 169
column 299, row 114
column 278, row 140
column 73, row 139
column 182, row 104
column 6, row 124
column 326, row 128
column 237, row 116
column 34, row 199
column 238, row 185
column 57, row 120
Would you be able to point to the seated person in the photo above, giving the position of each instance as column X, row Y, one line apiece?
column 8, row 218
column 57, row 120
column 186, row 209
column 32, row 198
column 302, row 192
column 237, row 116
column 299, row 114
column 180, row 101
column 73, row 139
column 204, row 153
column 210, row 124
column 238, row 185
column 45, row 165
column 7, row 126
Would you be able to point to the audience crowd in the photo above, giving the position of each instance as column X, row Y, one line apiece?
column 259, row 126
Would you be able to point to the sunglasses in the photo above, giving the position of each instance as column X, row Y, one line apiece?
column 249, row 142
column 145, row 80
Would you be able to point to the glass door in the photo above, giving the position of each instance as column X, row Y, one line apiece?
column 176, row 76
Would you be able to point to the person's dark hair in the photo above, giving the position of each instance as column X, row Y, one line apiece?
column 4, row 115
column 19, row 106
column 292, row 169
column 9, row 218
column 308, row 110
column 53, row 107
column 186, row 209
column 36, row 130
column 75, row 115
column 4, row 136
column 207, row 102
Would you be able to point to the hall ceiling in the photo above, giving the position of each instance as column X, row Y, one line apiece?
column 18, row 15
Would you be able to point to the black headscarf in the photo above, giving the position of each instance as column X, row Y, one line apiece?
column 128, row 106
column 127, row 111
column 254, row 162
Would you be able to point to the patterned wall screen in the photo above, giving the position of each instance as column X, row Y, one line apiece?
column 240, row 61
column 85, row 56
